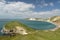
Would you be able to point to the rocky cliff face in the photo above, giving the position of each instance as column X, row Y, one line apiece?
column 17, row 30
column 36, row 19
column 13, row 28
column 52, row 19
column 55, row 18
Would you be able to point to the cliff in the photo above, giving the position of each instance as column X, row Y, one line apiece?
column 55, row 18
column 32, row 34
column 36, row 19
column 14, row 27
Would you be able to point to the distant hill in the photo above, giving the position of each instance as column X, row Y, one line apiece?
column 33, row 34
column 15, row 27
column 55, row 18
column 52, row 19
column 36, row 19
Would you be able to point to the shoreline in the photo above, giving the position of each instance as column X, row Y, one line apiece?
column 54, row 29
column 57, row 26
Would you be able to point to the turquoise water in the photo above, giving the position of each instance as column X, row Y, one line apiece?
column 39, row 24
column 33, row 24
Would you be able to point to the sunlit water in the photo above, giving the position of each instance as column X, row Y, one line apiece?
column 40, row 25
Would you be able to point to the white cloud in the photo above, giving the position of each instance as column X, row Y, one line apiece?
column 15, row 8
column 44, row 14
column 51, row 4
column 58, row 1
column 54, row 12
column 23, row 10
column 18, row 6
column 2, row 0
column 45, row 4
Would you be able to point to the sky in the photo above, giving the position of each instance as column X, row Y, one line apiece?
column 17, row 9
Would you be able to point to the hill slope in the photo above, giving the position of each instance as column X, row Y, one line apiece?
column 34, row 34
column 55, row 18
column 39, row 35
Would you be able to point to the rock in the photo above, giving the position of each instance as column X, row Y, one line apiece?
column 17, row 30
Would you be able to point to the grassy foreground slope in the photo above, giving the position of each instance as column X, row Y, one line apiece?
column 33, row 34
column 36, row 35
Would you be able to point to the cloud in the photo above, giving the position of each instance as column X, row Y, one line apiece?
column 54, row 12
column 15, row 9
column 45, row 4
column 23, row 10
column 44, row 14
column 20, row 6
column 2, row 0
column 58, row 1
column 51, row 4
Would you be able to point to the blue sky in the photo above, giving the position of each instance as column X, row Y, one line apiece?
column 29, row 8
column 41, row 5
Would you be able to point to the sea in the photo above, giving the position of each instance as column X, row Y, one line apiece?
column 39, row 25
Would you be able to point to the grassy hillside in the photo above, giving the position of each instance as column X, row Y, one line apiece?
column 36, row 35
column 55, row 18
column 13, row 24
column 33, row 34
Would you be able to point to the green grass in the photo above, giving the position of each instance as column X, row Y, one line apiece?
column 33, row 35
column 13, row 24
column 40, row 35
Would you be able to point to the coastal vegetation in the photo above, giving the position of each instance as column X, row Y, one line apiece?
column 32, row 34
column 15, row 27
column 39, row 35
column 13, row 24
column 54, row 18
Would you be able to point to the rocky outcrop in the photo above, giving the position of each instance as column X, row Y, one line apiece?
column 21, row 30
column 56, row 21
column 17, row 30
column 55, row 18
column 36, row 19
column 14, row 27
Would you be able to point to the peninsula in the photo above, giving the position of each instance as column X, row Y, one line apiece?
column 15, row 30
